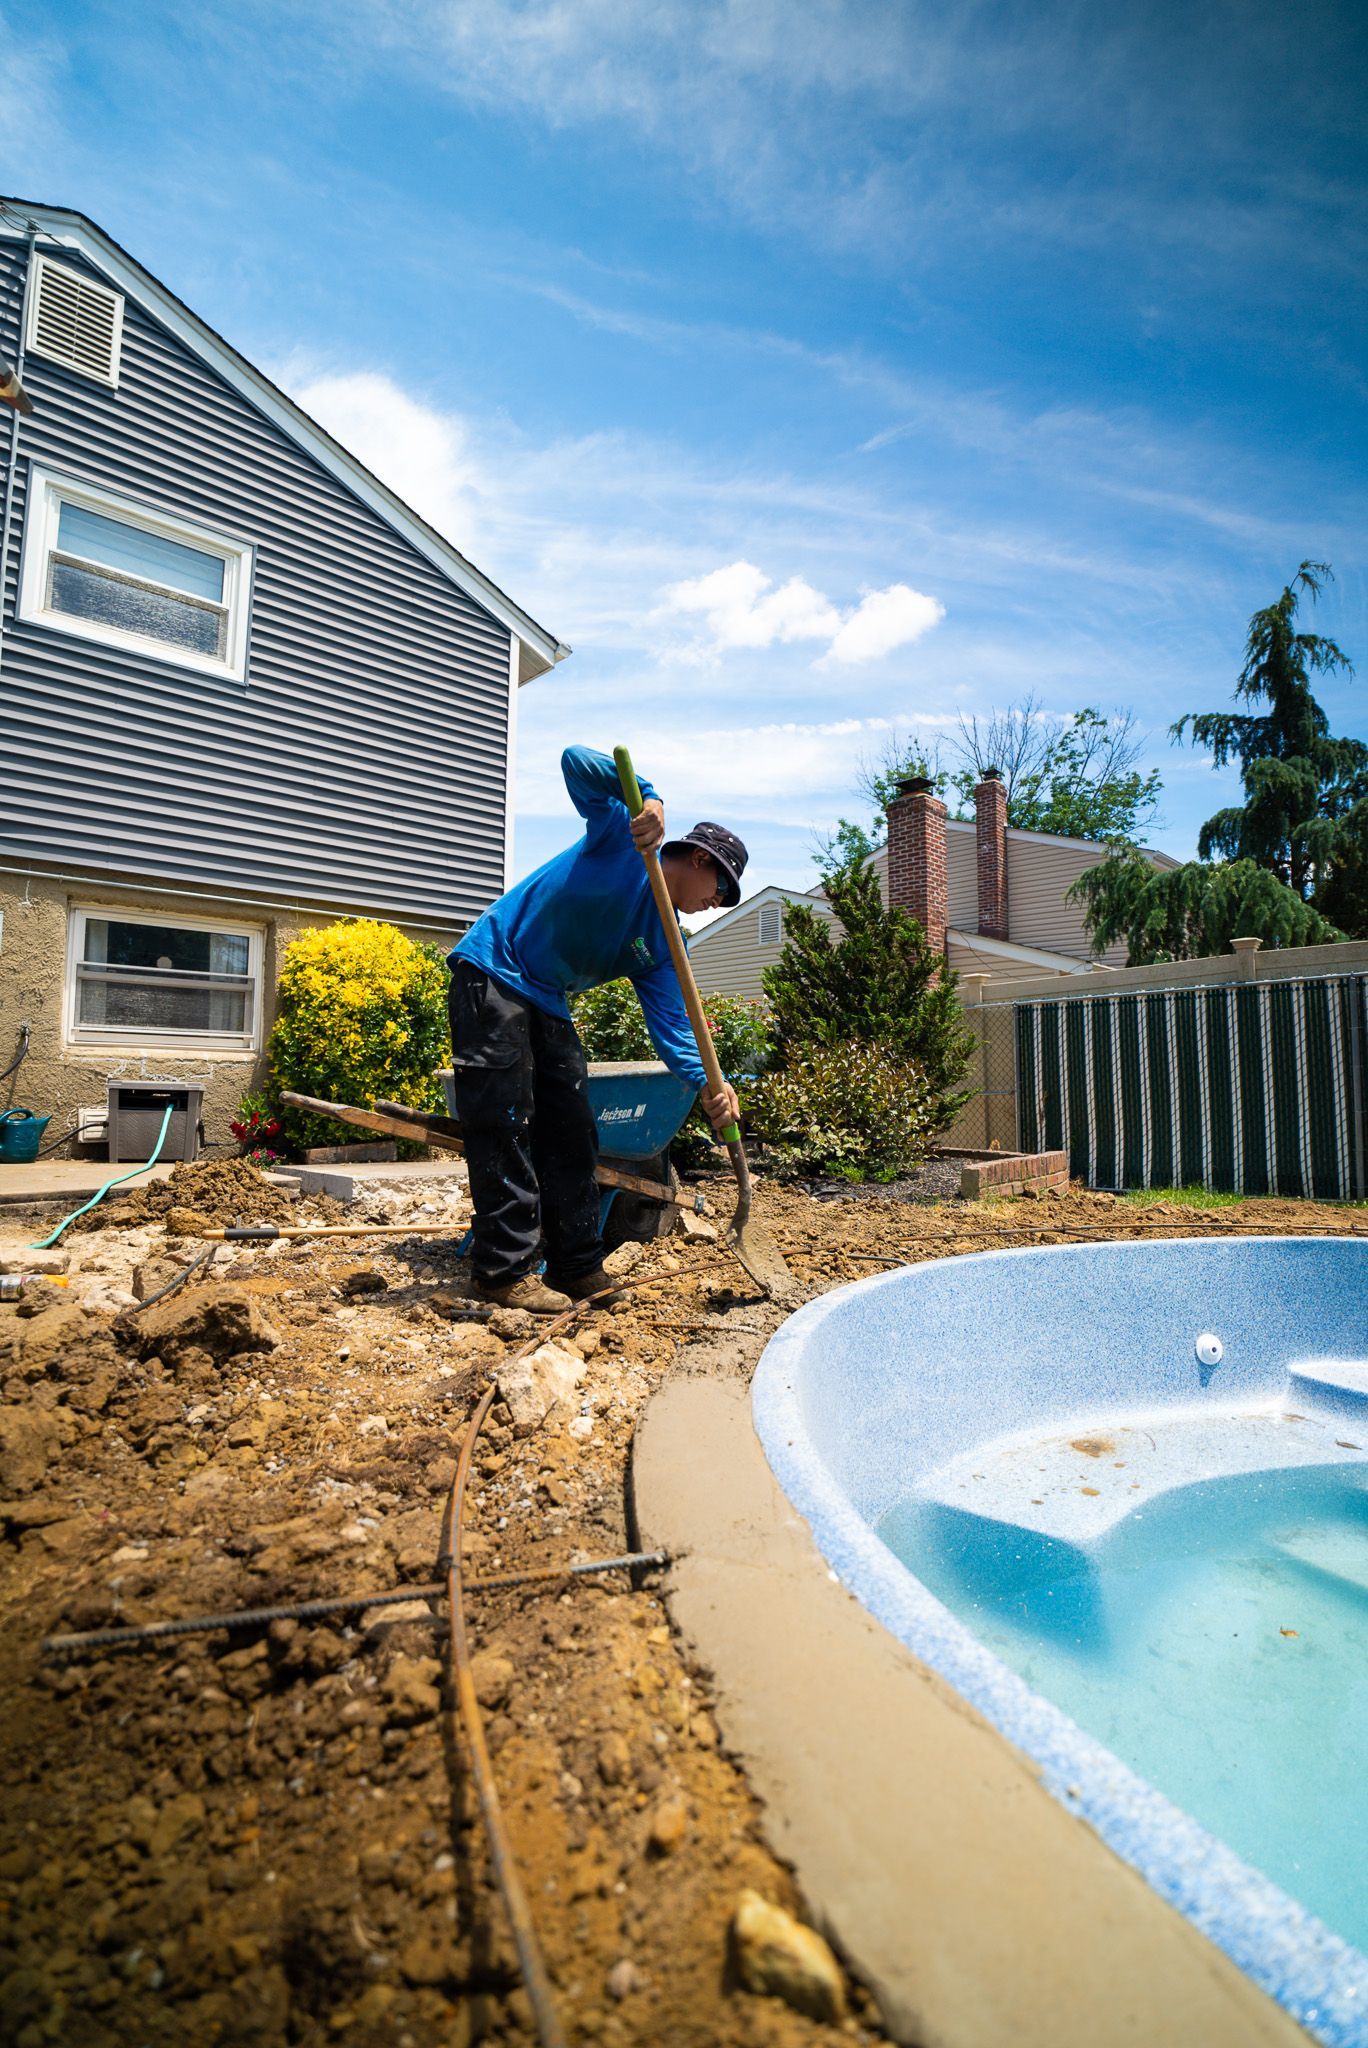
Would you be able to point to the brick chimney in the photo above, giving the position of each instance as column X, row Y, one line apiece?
column 990, row 827
column 916, row 857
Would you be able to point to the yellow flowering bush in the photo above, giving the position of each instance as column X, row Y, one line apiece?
column 361, row 1014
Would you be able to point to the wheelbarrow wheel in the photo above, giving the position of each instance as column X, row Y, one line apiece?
column 636, row 1218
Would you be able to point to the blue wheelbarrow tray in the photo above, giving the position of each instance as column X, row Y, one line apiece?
column 639, row 1107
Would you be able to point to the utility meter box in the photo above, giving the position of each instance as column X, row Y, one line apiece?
column 136, row 1110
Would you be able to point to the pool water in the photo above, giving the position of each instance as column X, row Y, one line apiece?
column 1215, row 1639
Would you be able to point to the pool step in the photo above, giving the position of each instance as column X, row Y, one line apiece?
column 1340, row 1385
column 1339, row 1553
column 1075, row 1487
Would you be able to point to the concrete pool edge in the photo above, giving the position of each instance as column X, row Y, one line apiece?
column 1317, row 1977
column 980, row 1911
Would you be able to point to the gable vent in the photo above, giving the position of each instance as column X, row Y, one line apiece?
column 75, row 321
column 771, row 924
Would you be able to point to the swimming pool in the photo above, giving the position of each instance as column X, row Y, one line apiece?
column 1117, row 1494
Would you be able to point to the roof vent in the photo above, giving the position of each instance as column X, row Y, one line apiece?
column 75, row 321
column 771, row 924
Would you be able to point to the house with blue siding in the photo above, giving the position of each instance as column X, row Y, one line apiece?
column 244, row 688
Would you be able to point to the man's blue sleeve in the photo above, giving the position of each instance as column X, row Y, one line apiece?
column 592, row 780
column 667, row 1020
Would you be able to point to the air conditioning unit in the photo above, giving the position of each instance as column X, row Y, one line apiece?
column 136, row 1112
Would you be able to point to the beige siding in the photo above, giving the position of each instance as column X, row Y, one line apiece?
column 1040, row 872
column 730, row 962
column 967, row 958
column 961, row 876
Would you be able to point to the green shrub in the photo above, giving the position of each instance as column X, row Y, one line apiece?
column 847, row 1112
column 867, row 975
column 361, row 1014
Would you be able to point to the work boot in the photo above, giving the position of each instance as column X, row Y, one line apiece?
column 527, row 1292
column 597, row 1282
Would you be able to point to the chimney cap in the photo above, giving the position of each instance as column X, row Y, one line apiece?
column 915, row 785
column 992, row 775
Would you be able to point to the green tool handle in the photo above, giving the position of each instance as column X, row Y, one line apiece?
column 674, row 939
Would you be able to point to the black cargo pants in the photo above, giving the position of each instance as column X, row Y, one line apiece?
column 522, row 1097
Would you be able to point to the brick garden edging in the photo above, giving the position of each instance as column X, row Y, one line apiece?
column 1008, row 1173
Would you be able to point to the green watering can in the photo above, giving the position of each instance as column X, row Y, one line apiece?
column 20, row 1134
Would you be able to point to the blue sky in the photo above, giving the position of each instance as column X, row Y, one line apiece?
column 812, row 370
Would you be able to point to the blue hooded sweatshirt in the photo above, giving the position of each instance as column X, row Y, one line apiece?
column 586, row 917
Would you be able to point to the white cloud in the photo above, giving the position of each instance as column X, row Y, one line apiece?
column 421, row 453
column 742, row 608
column 883, row 620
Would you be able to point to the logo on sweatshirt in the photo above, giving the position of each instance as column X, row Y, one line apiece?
column 641, row 953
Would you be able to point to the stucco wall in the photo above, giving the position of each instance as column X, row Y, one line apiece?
column 59, row 1079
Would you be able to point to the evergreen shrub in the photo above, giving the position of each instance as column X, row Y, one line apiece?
column 361, row 1014
column 859, row 1111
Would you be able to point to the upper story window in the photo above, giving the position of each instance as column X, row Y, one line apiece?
column 75, row 320
column 107, row 569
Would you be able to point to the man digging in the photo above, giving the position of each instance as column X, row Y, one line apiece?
column 521, row 1081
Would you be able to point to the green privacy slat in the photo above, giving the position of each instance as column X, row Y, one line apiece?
column 1284, row 1061
column 1354, row 1037
column 1050, row 1093
column 1027, row 1136
column 1188, row 1079
column 1078, row 1109
column 1132, row 1114
column 1162, row 1166
column 1252, row 1098
column 1324, row 1085
column 1221, row 1104
column 1105, row 1173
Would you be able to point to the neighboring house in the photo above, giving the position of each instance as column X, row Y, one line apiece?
column 244, row 689
column 994, row 899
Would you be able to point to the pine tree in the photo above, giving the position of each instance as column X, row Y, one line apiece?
column 867, row 974
column 1305, row 810
column 1289, row 865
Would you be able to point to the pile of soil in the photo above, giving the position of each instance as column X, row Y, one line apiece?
column 220, row 1191
column 270, row 1837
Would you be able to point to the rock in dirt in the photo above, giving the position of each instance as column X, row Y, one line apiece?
column 153, row 1274
column 532, row 1386
column 623, row 1979
column 493, row 1678
column 623, row 1259
column 778, row 1957
column 410, row 1688
column 669, row 1825
column 221, row 1321
column 363, row 1280
column 614, row 1760
column 30, row 1438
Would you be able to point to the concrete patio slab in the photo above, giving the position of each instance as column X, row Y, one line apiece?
column 980, row 1911
column 66, row 1180
column 348, row 1183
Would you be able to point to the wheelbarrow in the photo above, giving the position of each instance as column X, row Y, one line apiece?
column 639, row 1107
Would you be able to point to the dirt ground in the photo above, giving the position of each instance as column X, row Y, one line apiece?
column 270, row 1837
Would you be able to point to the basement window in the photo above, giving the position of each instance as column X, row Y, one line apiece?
column 135, row 977
column 108, row 569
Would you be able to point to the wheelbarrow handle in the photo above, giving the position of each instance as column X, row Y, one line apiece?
column 674, row 939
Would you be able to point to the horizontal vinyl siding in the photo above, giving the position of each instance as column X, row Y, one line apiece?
column 1039, row 876
column 362, row 764
column 730, row 963
column 961, row 876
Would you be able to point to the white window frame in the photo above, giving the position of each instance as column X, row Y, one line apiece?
column 160, row 1037
column 48, row 491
